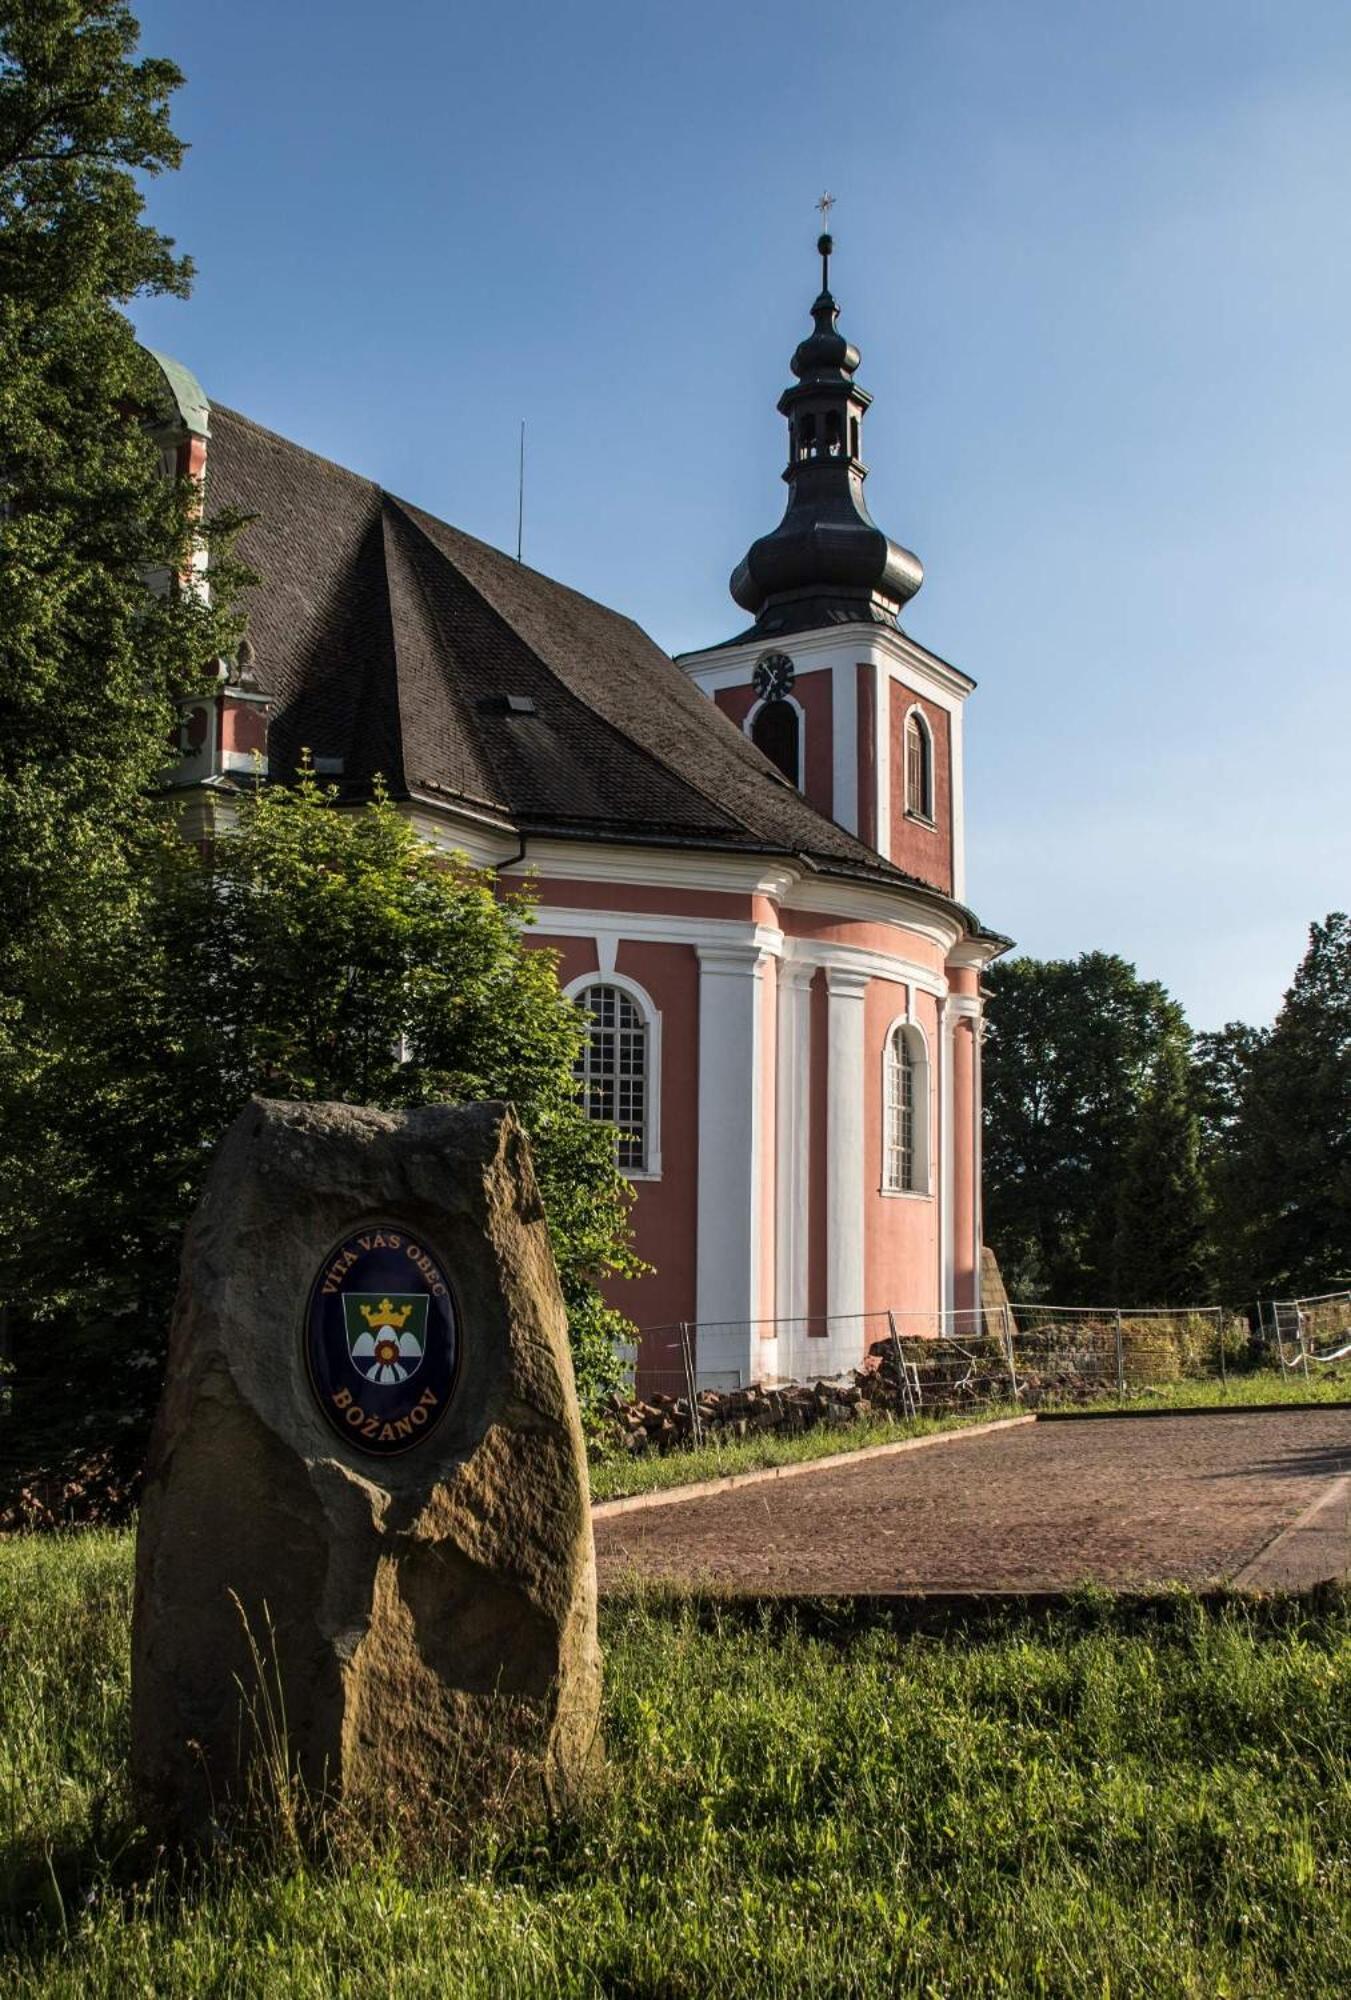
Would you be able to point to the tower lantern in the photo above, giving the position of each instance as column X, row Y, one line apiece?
column 827, row 561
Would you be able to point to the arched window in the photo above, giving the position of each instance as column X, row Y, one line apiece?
column 905, row 1112
column 776, row 729
column 612, row 1070
column 919, row 767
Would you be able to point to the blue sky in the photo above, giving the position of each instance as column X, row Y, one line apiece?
column 1096, row 260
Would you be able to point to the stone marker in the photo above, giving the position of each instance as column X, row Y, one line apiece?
column 365, row 1543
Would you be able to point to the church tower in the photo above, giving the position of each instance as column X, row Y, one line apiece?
column 865, row 722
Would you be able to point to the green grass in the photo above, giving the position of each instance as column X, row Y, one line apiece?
column 1104, row 1802
column 614, row 1477
column 1265, row 1385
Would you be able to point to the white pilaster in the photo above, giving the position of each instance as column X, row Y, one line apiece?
column 882, row 753
column 845, row 1160
column 978, row 1149
column 792, row 1124
column 728, row 1212
column 946, row 1164
column 844, row 742
column 955, row 717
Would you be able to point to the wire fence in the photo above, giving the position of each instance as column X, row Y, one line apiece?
column 1308, row 1334
column 689, row 1380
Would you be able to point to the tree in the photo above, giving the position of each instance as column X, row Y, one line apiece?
column 91, row 654
column 1162, row 1225
column 320, row 952
column 1223, row 1060
column 1070, row 1050
column 1290, row 1169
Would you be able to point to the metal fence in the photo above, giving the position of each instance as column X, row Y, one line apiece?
column 1309, row 1334
column 689, row 1379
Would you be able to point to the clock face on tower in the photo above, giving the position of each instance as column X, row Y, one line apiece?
column 774, row 675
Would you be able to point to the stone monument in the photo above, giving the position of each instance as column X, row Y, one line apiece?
column 365, row 1555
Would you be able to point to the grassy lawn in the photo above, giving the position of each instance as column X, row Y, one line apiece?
column 614, row 1477
column 1106, row 1802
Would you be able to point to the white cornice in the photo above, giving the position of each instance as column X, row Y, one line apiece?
column 647, row 927
column 654, row 867
column 729, row 666
column 979, row 951
column 460, row 832
column 827, row 896
column 855, row 960
column 699, row 869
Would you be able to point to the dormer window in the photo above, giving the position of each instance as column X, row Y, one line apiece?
column 919, row 761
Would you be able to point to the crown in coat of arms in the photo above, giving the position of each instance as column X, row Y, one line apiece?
column 385, row 1314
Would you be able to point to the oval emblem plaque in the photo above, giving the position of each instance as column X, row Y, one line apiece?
column 382, row 1339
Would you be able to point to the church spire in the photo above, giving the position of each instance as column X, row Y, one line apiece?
column 827, row 562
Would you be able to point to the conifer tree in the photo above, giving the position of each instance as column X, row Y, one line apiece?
column 1162, row 1216
column 1292, row 1157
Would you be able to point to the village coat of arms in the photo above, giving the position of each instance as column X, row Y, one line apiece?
column 386, row 1337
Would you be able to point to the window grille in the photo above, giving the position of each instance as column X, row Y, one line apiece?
column 918, row 767
column 900, row 1177
column 611, row 1070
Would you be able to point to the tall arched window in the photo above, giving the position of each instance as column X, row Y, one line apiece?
column 919, row 763
column 612, row 1070
column 777, row 731
column 905, row 1112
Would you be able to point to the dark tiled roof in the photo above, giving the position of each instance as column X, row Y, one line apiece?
column 389, row 640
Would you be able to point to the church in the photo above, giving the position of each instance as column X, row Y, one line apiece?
column 748, row 860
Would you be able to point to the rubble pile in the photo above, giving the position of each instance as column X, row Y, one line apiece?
column 942, row 1378
column 938, row 1382
column 665, row 1422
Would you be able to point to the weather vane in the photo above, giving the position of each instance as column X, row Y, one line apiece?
column 826, row 203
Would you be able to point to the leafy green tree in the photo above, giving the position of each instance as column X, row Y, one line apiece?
column 91, row 654
column 1289, row 1173
column 1162, row 1250
column 1071, row 1047
column 320, row 952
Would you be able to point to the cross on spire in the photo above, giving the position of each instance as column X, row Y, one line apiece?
column 825, row 243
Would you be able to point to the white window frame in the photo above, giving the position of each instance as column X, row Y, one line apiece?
column 642, row 1000
column 922, row 1151
column 929, row 817
column 754, row 710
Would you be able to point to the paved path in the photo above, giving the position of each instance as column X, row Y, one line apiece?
column 1262, row 1499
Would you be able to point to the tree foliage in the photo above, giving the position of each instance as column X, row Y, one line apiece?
column 91, row 653
column 1285, row 1178
column 1163, row 1245
column 1071, row 1048
column 146, row 989
column 1218, row 1166
column 319, row 952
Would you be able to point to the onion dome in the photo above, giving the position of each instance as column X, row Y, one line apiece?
column 827, row 562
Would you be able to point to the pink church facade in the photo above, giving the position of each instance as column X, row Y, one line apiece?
column 749, row 861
